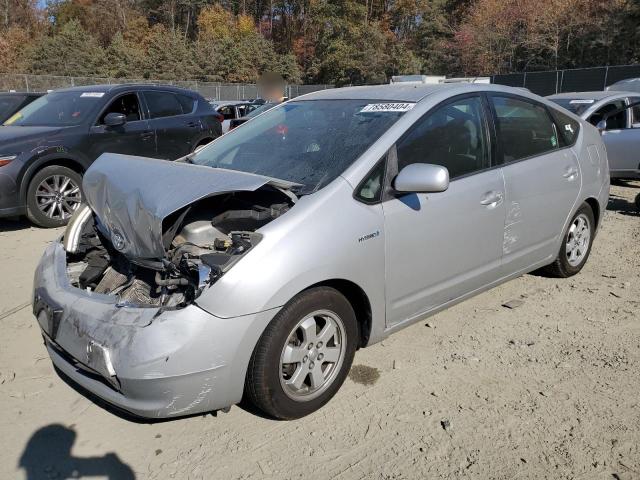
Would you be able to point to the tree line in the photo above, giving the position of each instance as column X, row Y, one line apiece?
column 313, row 41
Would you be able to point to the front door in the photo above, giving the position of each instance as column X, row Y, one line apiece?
column 441, row 246
column 135, row 137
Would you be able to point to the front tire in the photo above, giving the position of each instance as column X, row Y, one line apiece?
column 576, row 244
column 53, row 195
column 304, row 355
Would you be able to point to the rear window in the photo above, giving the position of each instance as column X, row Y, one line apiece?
column 568, row 128
column 574, row 105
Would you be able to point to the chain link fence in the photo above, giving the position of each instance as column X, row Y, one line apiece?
column 571, row 80
column 209, row 90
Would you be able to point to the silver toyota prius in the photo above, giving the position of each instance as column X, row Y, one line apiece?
column 256, row 267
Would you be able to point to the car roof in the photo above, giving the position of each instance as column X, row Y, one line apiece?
column 404, row 93
column 598, row 95
column 124, row 86
column 22, row 94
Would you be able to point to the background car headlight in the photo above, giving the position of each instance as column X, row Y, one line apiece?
column 7, row 158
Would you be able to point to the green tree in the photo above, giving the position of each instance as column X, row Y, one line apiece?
column 169, row 56
column 71, row 51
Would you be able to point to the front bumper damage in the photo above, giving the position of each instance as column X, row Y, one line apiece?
column 149, row 362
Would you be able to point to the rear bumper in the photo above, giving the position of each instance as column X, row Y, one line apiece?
column 150, row 363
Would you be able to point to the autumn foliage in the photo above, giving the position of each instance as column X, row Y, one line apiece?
column 315, row 41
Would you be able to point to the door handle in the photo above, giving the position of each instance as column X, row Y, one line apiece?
column 570, row 173
column 491, row 199
column 146, row 134
column 192, row 124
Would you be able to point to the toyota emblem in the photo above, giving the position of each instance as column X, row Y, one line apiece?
column 117, row 240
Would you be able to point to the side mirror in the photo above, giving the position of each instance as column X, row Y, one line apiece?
column 422, row 178
column 114, row 119
column 602, row 125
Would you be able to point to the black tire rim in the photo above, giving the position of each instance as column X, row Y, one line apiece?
column 58, row 197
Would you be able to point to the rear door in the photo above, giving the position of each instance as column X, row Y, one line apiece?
column 176, row 129
column 542, row 180
column 135, row 137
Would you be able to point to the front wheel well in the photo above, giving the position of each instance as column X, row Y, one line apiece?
column 63, row 162
column 359, row 301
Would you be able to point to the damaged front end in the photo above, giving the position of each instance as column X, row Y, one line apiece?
column 116, row 297
column 184, row 240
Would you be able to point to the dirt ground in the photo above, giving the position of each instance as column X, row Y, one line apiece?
column 549, row 389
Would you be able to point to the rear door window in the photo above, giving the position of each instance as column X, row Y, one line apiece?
column 162, row 104
column 228, row 112
column 186, row 102
column 525, row 129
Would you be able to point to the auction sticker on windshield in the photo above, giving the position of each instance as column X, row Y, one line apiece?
column 93, row 94
column 387, row 107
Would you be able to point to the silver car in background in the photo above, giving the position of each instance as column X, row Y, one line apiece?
column 621, row 134
column 256, row 267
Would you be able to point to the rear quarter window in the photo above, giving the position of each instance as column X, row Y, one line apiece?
column 568, row 128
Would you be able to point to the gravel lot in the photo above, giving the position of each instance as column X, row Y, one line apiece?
column 549, row 389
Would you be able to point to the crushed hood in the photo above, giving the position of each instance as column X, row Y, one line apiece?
column 131, row 196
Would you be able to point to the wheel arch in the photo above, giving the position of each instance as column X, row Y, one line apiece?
column 359, row 301
column 68, row 162
column 595, row 208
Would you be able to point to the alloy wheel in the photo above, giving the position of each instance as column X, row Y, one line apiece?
column 312, row 355
column 58, row 197
column 578, row 238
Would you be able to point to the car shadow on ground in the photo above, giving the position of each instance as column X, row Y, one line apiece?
column 48, row 455
column 622, row 206
column 13, row 224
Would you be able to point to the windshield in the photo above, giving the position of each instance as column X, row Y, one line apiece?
column 58, row 109
column 308, row 142
column 577, row 106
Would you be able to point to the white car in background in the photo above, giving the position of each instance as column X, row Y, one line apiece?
column 232, row 110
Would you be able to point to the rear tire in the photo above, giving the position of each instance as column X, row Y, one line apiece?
column 304, row 355
column 576, row 245
column 53, row 195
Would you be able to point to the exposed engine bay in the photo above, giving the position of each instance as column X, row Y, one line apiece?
column 202, row 241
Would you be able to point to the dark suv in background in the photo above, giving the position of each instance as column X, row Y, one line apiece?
column 46, row 147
